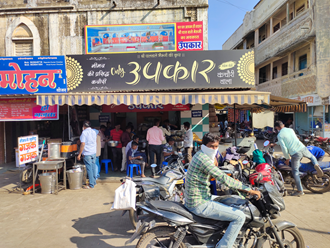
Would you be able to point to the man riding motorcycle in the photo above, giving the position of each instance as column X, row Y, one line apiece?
column 198, row 198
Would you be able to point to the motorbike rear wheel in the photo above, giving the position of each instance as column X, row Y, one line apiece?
column 317, row 185
column 158, row 237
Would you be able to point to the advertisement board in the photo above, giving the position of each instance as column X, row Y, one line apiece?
column 179, row 36
column 26, row 109
column 161, row 71
column 32, row 74
column 122, row 108
column 28, row 149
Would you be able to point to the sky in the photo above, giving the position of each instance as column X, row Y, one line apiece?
column 225, row 16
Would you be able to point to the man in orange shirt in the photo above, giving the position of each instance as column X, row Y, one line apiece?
column 115, row 134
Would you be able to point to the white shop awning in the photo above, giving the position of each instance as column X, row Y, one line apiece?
column 226, row 97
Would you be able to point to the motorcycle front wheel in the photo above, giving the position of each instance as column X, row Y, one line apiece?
column 290, row 237
column 316, row 184
column 158, row 237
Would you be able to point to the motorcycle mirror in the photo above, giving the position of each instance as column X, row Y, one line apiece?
column 245, row 162
column 317, row 126
column 260, row 177
column 266, row 143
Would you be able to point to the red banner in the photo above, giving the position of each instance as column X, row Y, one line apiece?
column 144, row 108
column 189, row 36
column 26, row 109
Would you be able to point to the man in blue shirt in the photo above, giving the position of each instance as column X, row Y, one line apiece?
column 168, row 149
column 291, row 146
column 317, row 152
column 88, row 150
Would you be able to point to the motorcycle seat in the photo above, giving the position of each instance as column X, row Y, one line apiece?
column 322, row 139
column 163, row 180
column 179, row 208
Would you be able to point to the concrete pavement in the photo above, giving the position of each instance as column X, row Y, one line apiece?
column 82, row 218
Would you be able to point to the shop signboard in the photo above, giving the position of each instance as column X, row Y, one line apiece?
column 104, row 118
column 179, row 36
column 161, row 71
column 122, row 108
column 196, row 113
column 312, row 100
column 326, row 130
column 26, row 109
column 27, row 149
column 32, row 74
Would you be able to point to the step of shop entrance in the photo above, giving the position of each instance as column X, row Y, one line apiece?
column 115, row 177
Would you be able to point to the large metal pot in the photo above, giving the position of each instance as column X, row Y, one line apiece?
column 179, row 144
column 54, row 150
column 113, row 143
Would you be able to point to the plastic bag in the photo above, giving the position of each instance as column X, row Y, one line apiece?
column 125, row 196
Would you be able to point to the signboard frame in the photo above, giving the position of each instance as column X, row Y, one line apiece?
column 34, row 108
column 24, row 148
column 144, row 37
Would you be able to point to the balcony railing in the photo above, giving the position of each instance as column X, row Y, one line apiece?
column 292, row 34
column 298, row 83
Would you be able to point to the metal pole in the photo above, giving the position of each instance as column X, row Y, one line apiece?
column 323, row 124
column 69, row 122
column 235, row 123
column 312, row 119
column 5, row 142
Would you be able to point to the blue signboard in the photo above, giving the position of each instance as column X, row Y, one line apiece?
column 32, row 74
column 196, row 113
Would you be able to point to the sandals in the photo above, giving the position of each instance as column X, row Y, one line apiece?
column 87, row 187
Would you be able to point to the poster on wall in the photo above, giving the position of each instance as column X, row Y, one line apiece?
column 32, row 74
column 122, row 108
column 26, row 109
column 178, row 36
column 161, row 71
column 326, row 130
column 28, row 149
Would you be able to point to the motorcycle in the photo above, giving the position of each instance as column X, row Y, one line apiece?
column 185, row 229
column 308, row 176
column 323, row 143
column 168, row 187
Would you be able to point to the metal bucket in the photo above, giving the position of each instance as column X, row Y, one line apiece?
column 75, row 179
column 47, row 182
column 54, row 150
column 83, row 168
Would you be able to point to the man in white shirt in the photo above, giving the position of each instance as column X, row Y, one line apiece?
column 188, row 141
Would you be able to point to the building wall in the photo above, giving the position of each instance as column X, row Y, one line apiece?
column 203, row 126
column 60, row 25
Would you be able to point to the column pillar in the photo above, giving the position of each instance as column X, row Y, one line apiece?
column 245, row 44
column 290, row 63
column 271, row 26
column 271, row 71
column 256, row 37
column 287, row 12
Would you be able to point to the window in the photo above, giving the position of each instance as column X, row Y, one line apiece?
column 285, row 69
column 300, row 10
column 262, row 33
column 23, row 48
column 276, row 27
column 302, row 63
column 291, row 16
column 263, row 75
column 275, row 72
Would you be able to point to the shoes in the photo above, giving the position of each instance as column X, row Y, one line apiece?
column 318, row 170
column 87, row 187
column 297, row 193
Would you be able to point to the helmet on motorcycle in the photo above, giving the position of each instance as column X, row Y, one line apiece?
column 264, row 167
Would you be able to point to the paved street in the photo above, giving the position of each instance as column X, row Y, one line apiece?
column 82, row 218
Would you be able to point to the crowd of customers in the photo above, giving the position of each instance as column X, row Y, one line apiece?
column 94, row 147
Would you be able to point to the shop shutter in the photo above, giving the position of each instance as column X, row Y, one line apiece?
column 23, row 48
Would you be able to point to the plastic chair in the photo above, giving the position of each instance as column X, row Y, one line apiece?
column 106, row 164
column 131, row 167
column 164, row 163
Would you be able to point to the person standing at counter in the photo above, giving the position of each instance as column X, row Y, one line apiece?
column 88, row 150
column 103, row 140
column 125, row 139
column 98, row 153
column 155, row 138
column 115, row 135
column 166, row 131
column 188, row 141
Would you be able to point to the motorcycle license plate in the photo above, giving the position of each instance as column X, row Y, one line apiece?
column 306, row 140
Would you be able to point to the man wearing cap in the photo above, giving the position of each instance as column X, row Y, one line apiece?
column 115, row 135
column 88, row 150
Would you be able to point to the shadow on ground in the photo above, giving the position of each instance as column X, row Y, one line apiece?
column 103, row 230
